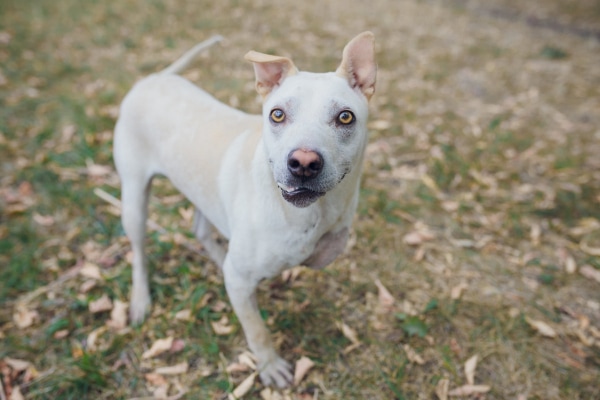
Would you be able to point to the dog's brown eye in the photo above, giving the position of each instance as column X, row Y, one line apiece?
column 277, row 115
column 346, row 118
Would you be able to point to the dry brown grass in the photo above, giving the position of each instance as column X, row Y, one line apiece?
column 479, row 211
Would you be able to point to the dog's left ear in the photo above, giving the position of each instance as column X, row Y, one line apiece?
column 270, row 70
column 358, row 63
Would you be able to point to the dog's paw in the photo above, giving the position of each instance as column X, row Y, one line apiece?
column 139, row 307
column 277, row 372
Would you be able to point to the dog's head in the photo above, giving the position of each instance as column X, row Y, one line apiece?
column 315, row 123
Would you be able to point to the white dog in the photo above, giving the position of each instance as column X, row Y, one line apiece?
column 282, row 187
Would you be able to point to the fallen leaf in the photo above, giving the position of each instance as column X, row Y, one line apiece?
column 76, row 350
column 161, row 392
column 155, row 379
column 291, row 275
column 186, row 213
column 592, row 251
column 184, row 315
column 96, row 170
column 413, row 238
column 61, row 334
column 222, row 327
column 535, row 234
column 303, row 365
column 570, row 265
column 92, row 338
column 441, row 389
column 248, row 359
column 118, row 315
column 348, row 332
column 23, row 317
column 219, row 306
column 16, row 394
column 412, row 355
column 543, row 328
column 468, row 390
column 158, row 347
column 351, row 335
column 243, row 388
column 177, row 346
column 43, row 220
column 90, row 270
column 102, row 304
column 237, row 367
column 87, row 285
column 457, row 290
column 16, row 364
column 386, row 300
column 590, row 272
column 470, row 367
column 176, row 369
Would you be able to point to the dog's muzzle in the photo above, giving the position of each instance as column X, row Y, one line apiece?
column 299, row 197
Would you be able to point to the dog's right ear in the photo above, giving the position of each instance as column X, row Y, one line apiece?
column 270, row 70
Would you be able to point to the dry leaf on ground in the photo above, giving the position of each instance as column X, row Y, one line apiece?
column 417, row 238
column 412, row 355
column 118, row 315
column 222, row 327
column 351, row 335
column 23, row 317
column 470, row 366
column 155, row 379
column 177, row 346
column 248, row 359
column 386, row 300
column 184, row 315
column 158, row 347
column 441, row 389
column 16, row 394
column 543, row 328
column 303, row 365
column 469, row 390
column 16, row 364
column 90, row 270
column 244, row 387
column 590, row 272
column 92, row 338
column 102, row 304
column 176, row 369
column 457, row 290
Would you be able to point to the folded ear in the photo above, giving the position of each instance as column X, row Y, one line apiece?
column 358, row 63
column 270, row 70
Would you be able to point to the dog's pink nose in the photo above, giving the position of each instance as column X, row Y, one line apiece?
column 304, row 163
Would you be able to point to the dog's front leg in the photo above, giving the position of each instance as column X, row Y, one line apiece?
column 241, row 288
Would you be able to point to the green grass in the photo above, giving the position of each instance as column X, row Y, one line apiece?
column 492, row 145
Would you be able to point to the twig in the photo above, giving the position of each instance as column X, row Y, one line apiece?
column 27, row 298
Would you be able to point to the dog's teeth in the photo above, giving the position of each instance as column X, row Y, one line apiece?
column 286, row 188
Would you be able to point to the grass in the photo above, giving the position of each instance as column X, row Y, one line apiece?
column 484, row 136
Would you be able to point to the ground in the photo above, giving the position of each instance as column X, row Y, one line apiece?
column 473, row 269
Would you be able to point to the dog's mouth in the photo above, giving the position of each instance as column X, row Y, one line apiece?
column 299, row 196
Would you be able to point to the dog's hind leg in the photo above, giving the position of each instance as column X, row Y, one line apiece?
column 134, row 213
column 203, row 230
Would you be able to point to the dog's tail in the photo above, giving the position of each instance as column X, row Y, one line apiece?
column 185, row 60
